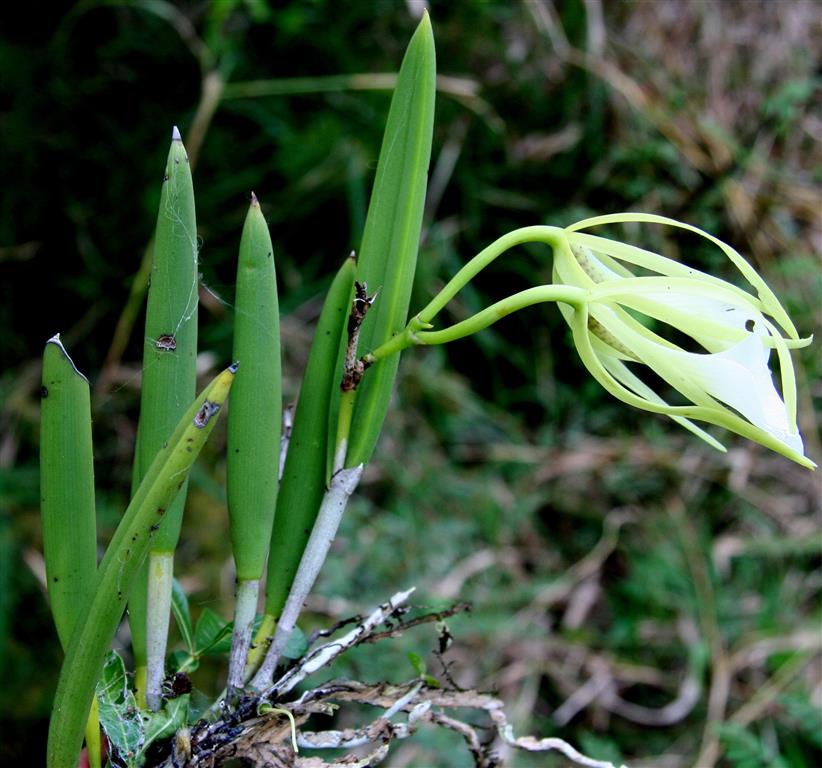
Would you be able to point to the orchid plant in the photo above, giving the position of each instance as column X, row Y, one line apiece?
column 618, row 299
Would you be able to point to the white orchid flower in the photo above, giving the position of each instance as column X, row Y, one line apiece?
column 719, row 337
column 725, row 380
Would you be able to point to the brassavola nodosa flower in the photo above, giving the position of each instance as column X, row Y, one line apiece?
column 628, row 308
column 727, row 380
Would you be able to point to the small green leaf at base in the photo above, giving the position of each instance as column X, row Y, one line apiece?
column 182, row 614
column 212, row 634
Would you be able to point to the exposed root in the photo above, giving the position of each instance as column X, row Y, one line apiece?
column 262, row 729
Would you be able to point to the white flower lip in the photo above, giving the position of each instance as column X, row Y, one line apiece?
column 728, row 382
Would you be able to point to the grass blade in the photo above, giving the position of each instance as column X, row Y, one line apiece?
column 390, row 243
column 98, row 622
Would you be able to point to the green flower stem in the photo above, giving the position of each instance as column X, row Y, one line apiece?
column 415, row 333
column 553, row 236
column 488, row 316
column 98, row 618
column 397, row 343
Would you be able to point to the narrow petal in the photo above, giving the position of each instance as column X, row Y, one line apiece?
column 622, row 373
column 649, row 260
column 772, row 305
column 787, row 373
column 578, row 320
column 714, row 317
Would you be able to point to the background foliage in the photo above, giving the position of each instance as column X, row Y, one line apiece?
column 641, row 595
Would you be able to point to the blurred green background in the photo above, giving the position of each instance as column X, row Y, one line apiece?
column 633, row 591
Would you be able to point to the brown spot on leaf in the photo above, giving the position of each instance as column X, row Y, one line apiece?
column 205, row 413
column 166, row 342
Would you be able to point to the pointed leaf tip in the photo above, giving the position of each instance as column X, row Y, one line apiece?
column 175, row 134
column 59, row 344
column 254, row 200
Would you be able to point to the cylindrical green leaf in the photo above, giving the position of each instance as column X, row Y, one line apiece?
column 170, row 344
column 388, row 256
column 98, row 619
column 169, row 357
column 303, row 483
column 66, row 487
column 255, row 418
